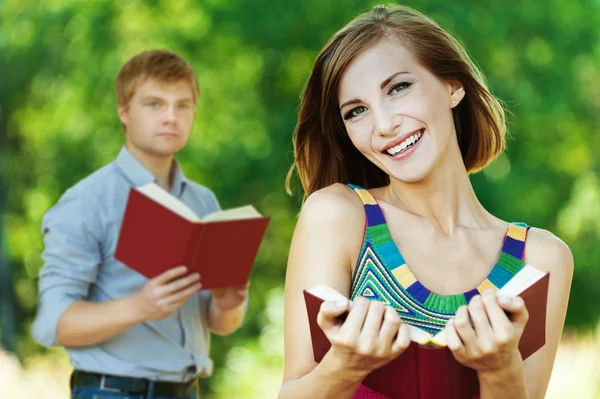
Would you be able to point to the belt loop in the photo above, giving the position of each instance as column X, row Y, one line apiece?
column 103, row 385
column 150, row 390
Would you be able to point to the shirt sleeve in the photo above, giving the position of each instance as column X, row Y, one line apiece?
column 72, row 254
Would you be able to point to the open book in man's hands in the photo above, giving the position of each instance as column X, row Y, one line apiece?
column 427, row 369
column 160, row 232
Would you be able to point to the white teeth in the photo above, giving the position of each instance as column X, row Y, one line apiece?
column 405, row 144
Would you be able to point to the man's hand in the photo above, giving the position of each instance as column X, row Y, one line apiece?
column 230, row 297
column 226, row 312
column 165, row 293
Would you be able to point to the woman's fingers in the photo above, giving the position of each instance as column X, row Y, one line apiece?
column 371, row 329
column 479, row 319
column 464, row 329
column 356, row 318
column 402, row 340
column 390, row 327
column 517, row 309
column 330, row 312
column 369, row 334
column 453, row 340
column 500, row 323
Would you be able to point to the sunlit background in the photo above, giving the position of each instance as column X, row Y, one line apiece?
column 58, row 62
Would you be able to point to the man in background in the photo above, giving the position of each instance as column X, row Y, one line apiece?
column 127, row 336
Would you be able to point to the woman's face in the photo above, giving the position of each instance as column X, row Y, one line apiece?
column 396, row 112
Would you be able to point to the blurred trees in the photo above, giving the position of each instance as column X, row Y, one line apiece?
column 58, row 123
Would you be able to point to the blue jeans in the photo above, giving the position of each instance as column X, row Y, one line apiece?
column 97, row 393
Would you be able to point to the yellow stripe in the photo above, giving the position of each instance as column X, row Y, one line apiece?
column 400, row 271
column 486, row 285
column 366, row 197
column 517, row 232
column 407, row 280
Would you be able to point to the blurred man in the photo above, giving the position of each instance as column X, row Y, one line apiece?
column 127, row 336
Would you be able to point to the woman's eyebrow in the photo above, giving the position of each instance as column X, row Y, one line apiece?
column 383, row 84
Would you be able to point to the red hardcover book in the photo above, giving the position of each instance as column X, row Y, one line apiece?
column 427, row 369
column 160, row 232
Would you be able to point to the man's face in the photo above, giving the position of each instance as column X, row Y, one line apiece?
column 159, row 117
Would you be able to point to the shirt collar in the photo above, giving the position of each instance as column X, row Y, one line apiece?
column 138, row 175
column 179, row 180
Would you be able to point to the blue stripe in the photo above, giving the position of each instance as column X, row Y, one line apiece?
column 514, row 247
column 499, row 275
column 374, row 215
column 419, row 292
column 390, row 255
column 471, row 294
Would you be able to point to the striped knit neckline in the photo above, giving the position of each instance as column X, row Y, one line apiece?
column 380, row 248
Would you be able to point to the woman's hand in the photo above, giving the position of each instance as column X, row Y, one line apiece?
column 371, row 336
column 483, row 337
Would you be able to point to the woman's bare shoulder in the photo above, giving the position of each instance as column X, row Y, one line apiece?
column 335, row 204
column 546, row 251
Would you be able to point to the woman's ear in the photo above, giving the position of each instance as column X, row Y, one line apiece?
column 456, row 92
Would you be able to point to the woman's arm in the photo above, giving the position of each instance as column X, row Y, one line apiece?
column 547, row 252
column 326, row 242
column 483, row 338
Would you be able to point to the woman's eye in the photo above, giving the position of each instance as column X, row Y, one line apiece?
column 355, row 112
column 397, row 88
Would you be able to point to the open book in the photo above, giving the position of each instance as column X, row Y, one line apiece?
column 160, row 232
column 427, row 369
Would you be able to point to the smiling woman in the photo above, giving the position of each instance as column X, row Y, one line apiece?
column 393, row 119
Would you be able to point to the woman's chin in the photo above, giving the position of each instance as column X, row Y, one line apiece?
column 409, row 175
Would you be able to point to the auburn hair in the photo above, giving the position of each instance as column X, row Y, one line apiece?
column 323, row 152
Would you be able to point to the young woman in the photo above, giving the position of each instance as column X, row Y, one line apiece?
column 393, row 119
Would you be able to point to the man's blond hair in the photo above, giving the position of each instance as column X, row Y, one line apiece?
column 161, row 65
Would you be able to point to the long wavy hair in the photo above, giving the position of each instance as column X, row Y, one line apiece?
column 323, row 151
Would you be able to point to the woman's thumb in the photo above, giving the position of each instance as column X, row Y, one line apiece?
column 516, row 307
column 330, row 311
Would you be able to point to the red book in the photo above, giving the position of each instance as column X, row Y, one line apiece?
column 160, row 232
column 427, row 369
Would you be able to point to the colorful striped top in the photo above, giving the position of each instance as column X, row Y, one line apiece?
column 382, row 274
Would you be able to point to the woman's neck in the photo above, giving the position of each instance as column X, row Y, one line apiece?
column 445, row 198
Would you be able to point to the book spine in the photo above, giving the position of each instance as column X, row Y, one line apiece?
column 194, row 246
column 187, row 246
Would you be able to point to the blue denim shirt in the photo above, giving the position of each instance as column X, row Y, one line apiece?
column 80, row 236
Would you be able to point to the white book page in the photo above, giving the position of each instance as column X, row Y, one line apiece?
column 440, row 338
column 326, row 293
column 419, row 335
column 159, row 195
column 525, row 278
column 242, row 212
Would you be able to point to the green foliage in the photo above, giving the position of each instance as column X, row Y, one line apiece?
column 58, row 121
